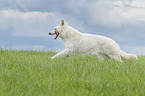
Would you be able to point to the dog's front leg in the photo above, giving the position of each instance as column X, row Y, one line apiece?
column 65, row 52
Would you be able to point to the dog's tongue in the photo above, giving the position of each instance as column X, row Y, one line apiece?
column 57, row 34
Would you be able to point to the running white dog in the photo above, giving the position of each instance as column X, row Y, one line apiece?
column 81, row 43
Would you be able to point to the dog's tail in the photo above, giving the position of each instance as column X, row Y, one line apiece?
column 128, row 56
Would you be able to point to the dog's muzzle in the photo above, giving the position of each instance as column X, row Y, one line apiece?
column 56, row 32
column 51, row 33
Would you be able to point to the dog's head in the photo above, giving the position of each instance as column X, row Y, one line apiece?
column 58, row 29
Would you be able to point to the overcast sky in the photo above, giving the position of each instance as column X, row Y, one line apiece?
column 25, row 24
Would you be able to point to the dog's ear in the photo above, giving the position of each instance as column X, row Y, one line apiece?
column 62, row 22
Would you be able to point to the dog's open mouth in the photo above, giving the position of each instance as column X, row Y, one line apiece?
column 57, row 34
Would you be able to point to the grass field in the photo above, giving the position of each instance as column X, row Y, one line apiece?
column 32, row 73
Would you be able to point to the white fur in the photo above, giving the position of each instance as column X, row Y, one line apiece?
column 81, row 43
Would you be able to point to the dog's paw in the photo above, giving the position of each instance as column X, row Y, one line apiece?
column 53, row 57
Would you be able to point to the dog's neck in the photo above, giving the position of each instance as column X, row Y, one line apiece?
column 70, row 33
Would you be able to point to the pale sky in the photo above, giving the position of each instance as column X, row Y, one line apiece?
column 25, row 24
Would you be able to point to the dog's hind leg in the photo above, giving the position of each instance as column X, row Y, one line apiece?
column 116, row 57
column 102, row 56
column 65, row 52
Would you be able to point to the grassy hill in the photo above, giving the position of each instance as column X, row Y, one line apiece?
column 32, row 73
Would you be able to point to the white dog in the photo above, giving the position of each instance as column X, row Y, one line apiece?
column 81, row 43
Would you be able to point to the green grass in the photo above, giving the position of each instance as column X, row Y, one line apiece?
column 32, row 73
